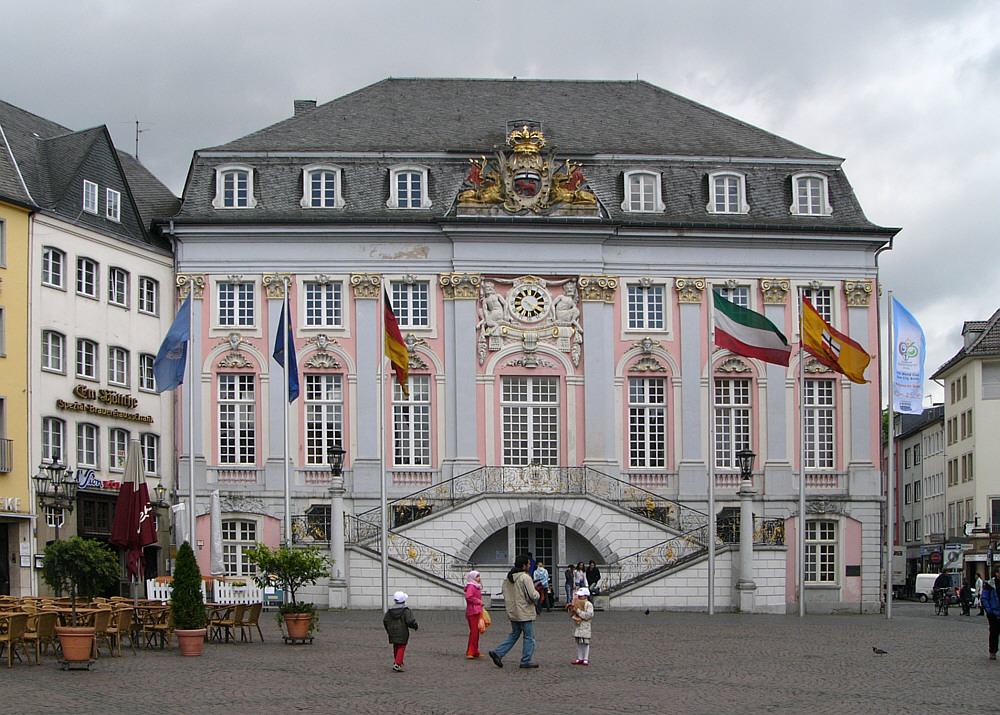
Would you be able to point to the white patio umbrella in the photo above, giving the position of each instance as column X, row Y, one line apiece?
column 216, row 566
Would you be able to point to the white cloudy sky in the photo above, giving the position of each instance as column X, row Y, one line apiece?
column 908, row 91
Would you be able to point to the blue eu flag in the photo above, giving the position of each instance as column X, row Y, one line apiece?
column 168, row 367
column 279, row 357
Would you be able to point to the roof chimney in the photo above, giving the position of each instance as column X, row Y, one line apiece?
column 304, row 106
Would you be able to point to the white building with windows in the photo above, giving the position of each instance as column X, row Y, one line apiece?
column 549, row 249
column 99, row 286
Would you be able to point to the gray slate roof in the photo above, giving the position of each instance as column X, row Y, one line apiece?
column 612, row 127
column 986, row 345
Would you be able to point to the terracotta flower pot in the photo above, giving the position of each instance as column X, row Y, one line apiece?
column 191, row 641
column 77, row 643
column 297, row 624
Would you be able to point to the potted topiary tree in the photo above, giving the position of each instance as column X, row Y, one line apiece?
column 186, row 604
column 84, row 568
column 290, row 569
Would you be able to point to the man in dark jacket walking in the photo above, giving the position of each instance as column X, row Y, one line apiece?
column 398, row 621
column 990, row 599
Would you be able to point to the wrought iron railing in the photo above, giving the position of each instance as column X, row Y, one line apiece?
column 766, row 532
column 540, row 480
column 311, row 528
column 410, row 551
column 672, row 552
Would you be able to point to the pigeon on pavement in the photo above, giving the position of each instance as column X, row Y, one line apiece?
column 879, row 651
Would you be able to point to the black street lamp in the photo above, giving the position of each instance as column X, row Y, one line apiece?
column 55, row 487
column 161, row 492
column 335, row 458
column 745, row 459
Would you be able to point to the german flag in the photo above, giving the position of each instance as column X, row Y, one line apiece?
column 395, row 348
column 831, row 347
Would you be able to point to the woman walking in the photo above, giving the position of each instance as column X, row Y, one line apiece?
column 473, row 609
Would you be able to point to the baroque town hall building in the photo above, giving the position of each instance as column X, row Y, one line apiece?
column 549, row 249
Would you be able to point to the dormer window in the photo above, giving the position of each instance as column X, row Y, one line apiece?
column 810, row 195
column 234, row 188
column 321, row 188
column 727, row 193
column 642, row 193
column 408, row 188
column 89, row 197
column 113, row 205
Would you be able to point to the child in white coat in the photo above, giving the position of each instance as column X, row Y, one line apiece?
column 582, row 612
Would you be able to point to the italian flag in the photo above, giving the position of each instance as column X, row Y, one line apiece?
column 750, row 334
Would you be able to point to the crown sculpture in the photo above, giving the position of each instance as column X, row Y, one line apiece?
column 522, row 180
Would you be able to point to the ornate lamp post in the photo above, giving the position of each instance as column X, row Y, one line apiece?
column 56, row 488
column 338, row 585
column 745, row 586
column 161, row 492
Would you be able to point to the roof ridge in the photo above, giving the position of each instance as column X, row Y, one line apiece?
column 991, row 324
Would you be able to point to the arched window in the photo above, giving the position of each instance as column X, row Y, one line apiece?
column 810, row 196
column 727, row 193
column 234, row 187
column 321, row 188
column 642, row 192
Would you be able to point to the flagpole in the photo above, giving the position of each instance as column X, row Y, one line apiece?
column 194, row 356
column 383, row 505
column 710, row 338
column 889, row 477
column 285, row 326
column 801, row 547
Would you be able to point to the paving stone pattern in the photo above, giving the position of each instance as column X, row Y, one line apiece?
column 658, row 663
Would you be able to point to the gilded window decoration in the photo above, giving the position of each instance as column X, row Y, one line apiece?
column 188, row 283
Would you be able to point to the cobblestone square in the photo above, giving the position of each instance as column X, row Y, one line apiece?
column 657, row 663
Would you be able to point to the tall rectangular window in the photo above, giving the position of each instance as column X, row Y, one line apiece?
column 89, row 197
column 324, row 305
column 150, row 447
column 86, row 359
column 86, row 445
column 411, row 423
column 818, row 441
column 118, row 366
column 236, row 304
column 809, row 195
column 117, row 448
column 324, row 407
column 740, row 295
column 236, row 189
column 727, row 194
column 409, row 190
column 53, row 439
column 149, row 296
column 641, row 190
column 821, row 552
column 238, row 537
column 411, row 304
column 147, row 381
column 732, row 420
column 113, row 205
column 647, row 420
column 530, row 419
column 53, row 261
column 118, row 287
column 237, row 419
column 822, row 300
column 323, row 189
column 53, row 351
column 86, row 277
column 646, row 307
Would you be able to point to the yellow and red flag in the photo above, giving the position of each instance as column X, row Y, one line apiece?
column 831, row 347
column 395, row 348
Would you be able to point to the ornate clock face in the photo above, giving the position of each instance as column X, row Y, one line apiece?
column 530, row 303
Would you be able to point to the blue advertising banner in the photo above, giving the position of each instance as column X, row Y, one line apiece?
column 908, row 361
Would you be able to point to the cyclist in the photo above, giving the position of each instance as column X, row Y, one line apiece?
column 941, row 585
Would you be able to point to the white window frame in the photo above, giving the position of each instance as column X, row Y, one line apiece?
column 149, row 295
column 323, row 304
column 238, row 537
column 822, row 552
column 147, row 381
column 118, row 366
column 53, row 268
column 88, row 273
column 3, row 243
column 149, row 449
column 243, row 312
column 237, row 419
column 648, row 422
column 90, row 197
column 118, row 286
column 53, row 439
column 524, row 411
column 655, row 203
column 733, row 419
column 396, row 200
column 113, row 205
column 118, row 439
column 324, row 416
column 413, row 310
column 3, row 345
column 233, row 201
column 738, row 294
column 53, row 352
column 322, row 201
column 640, row 309
column 810, row 195
column 87, row 361
column 411, row 423
column 820, row 415
column 88, row 441
column 822, row 299
column 730, row 204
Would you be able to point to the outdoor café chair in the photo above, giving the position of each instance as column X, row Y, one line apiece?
column 43, row 634
column 17, row 625
column 121, row 626
column 228, row 620
column 102, row 619
column 158, row 625
column 251, row 620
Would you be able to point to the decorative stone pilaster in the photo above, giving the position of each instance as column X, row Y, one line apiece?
column 775, row 290
column 275, row 285
column 190, row 284
column 597, row 289
column 689, row 290
column 366, row 285
column 337, row 589
column 460, row 286
column 745, row 585
column 858, row 292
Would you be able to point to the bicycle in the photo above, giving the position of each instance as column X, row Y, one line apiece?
column 943, row 597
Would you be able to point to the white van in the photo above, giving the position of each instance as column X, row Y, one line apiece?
column 923, row 587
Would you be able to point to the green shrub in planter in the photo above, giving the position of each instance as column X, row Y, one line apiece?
column 186, row 604
column 83, row 567
column 289, row 569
